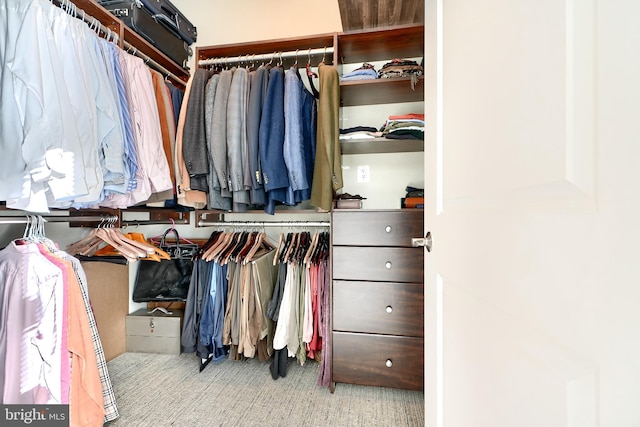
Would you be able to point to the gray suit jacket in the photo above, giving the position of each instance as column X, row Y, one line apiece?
column 219, row 131
column 194, row 143
column 237, row 136
column 214, row 197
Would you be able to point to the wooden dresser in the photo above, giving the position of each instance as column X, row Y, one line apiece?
column 377, row 298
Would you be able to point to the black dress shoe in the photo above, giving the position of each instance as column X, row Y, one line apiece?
column 274, row 365
column 283, row 362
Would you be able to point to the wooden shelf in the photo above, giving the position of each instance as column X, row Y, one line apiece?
column 380, row 91
column 381, row 145
column 381, row 44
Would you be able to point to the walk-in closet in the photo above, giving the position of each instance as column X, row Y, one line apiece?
column 337, row 213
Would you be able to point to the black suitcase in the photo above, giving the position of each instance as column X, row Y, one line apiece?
column 160, row 23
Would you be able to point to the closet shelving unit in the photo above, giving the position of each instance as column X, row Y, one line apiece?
column 348, row 48
column 382, row 44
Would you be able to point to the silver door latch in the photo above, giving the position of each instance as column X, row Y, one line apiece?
column 425, row 241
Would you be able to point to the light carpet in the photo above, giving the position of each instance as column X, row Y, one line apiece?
column 154, row 390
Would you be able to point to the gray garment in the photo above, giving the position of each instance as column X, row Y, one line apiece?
column 193, row 307
column 194, row 143
column 273, row 308
column 254, row 112
column 292, row 287
column 246, row 167
column 219, row 130
column 237, row 137
column 214, row 197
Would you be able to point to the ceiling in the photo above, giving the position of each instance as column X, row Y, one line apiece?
column 366, row 14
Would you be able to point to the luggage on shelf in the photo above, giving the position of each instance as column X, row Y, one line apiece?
column 160, row 23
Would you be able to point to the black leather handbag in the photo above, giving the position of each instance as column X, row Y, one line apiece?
column 167, row 280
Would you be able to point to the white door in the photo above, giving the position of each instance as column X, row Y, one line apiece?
column 532, row 166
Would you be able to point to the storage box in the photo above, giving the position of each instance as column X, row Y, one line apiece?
column 347, row 203
column 154, row 333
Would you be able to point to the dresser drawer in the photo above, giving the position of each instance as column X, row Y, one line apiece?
column 376, row 228
column 378, row 264
column 378, row 360
column 378, row 307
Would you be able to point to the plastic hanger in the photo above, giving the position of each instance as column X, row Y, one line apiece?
column 292, row 245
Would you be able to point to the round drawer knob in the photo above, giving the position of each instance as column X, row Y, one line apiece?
column 388, row 363
column 389, row 309
column 388, row 229
column 387, row 264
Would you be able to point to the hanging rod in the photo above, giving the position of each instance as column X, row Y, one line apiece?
column 263, row 224
column 50, row 218
column 266, row 56
column 136, row 222
column 147, row 60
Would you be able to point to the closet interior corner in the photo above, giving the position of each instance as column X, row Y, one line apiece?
column 232, row 169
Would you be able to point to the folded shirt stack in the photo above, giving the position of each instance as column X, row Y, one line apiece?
column 365, row 72
column 359, row 132
column 406, row 126
column 401, row 68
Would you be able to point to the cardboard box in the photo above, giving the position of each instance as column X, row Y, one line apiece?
column 108, row 286
column 154, row 333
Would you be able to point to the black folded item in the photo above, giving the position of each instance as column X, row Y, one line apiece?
column 358, row 129
column 347, row 196
column 406, row 134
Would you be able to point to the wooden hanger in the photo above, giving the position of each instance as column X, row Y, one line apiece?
column 278, row 249
column 262, row 244
column 221, row 241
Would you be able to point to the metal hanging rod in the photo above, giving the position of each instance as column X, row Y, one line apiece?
column 263, row 224
column 147, row 60
column 266, row 56
column 136, row 222
column 51, row 218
